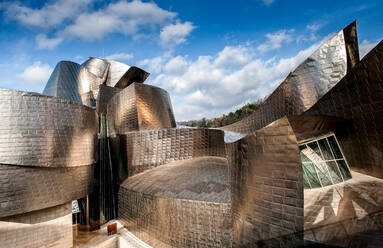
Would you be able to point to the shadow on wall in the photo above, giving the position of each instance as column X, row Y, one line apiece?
column 342, row 214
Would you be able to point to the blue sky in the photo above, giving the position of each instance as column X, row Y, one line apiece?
column 211, row 56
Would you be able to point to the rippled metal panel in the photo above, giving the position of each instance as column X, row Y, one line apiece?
column 39, row 130
column 307, row 83
column 148, row 149
column 266, row 184
column 25, row 189
column 139, row 107
column 359, row 98
column 133, row 75
column 182, row 204
column 63, row 82
column 116, row 71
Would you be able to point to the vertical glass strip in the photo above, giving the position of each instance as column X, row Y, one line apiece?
column 314, row 146
column 344, row 169
column 334, row 172
column 325, row 148
column 312, row 175
column 323, row 173
column 335, row 147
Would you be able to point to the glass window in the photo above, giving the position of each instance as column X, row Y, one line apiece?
column 323, row 174
column 325, row 148
column 323, row 163
column 334, row 172
column 344, row 169
column 314, row 146
column 312, row 175
column 334, row 147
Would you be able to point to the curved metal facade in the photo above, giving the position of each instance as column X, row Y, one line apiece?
column 139, row 107
column 149, row 149
column 307, row 83
column 25, row 189
column 63, row 82
column 116, row 71
column 45, row 131
column 187, row 206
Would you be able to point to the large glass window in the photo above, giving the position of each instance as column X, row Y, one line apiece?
column 323, row 162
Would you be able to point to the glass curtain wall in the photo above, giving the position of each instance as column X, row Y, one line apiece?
column 323, row 162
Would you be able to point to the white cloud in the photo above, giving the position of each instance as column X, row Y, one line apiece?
column 209, row 86
column 46, row 43
column 365, row 47
column 37, row 73
column 51, row 14
column 120, row 56
column 175, row 33
column 68, row 19
column 268, row 2
column 275, row 40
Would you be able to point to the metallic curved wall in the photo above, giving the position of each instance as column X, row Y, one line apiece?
column 181, row 204
column 266, row 184
column 63, row 82
column 148, row 149
column 139, row 107
column 310, row 81
column 25, row 189
column 358, row 97
column 38, row 130
column 116, row 71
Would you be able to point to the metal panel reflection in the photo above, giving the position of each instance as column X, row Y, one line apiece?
column 25, row 189
column 116, row 71
column 63, row 82
column 267, row 187
column 148, row 149
column 358, row 97
column 310, row 81
column 139, row 107
column 38, row 130
column 188, row 206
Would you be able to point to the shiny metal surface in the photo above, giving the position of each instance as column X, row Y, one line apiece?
column 139, row 107
column 25, row 189
column 266, row 184
column 133, row 75
column 63, row 82
column 307, row 83
column 104, row 95
column 199, row 179
column 358, row 97
column 182, row 204
column 149, row 149
column 97, row 67
column 116, row 71
column 38, row 130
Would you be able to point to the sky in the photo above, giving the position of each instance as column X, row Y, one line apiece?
column 212, row 56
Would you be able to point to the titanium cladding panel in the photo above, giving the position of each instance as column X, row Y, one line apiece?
column 38, row 130
column 148, row 149
column 266, row 184
column 304, row 86
column 139, row 107
column 25, row 189
column 181, row 204
column 63, row 82
column 359, row 97
column 116, row 71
